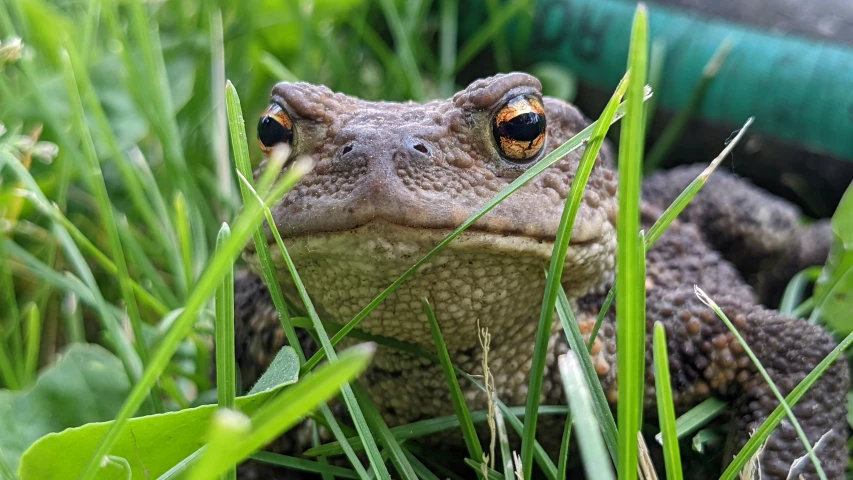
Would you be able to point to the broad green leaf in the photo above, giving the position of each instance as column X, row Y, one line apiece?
column 834, row 288
column 87, row 384
column 151, row 445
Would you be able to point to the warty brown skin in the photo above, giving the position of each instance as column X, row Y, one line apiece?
column 392, row 179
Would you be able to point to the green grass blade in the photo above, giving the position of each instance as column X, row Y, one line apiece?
column 33, row 343
column 525, row 177
column 494, row 27
column 555, row 272
column 630, row 281
column 219, row 264
column 420, row 469
column 99, row 189
column 386, row 439
column 404, row 49
column 704, row 298
column 506, row 451
column 286, row 410
column 593, row 452
column 430, row 426
column 676, row 126
column 760, row 436
column 696, row 418
column 666, row 408
column 244, row 167
column 599, row 404
column 796, row 288
column 563, row 459
column 226, row 371
column 447, row 45
column 350, row 400
column 303, row 465
column 475, row 450
column 243, row 162
column 684, row 198
column 182, row 221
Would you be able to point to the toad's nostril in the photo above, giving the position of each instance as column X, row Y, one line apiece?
column 346, row 150
column 421, row 148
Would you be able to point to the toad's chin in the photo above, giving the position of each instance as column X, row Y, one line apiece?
column 478, row 275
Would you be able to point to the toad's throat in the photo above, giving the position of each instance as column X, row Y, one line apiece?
column 497, row 280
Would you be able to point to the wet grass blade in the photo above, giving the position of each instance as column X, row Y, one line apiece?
column 475, row 450
column 666, row 408
column 704, row 298
column 593, row 452
column 684, row 198
column 630, row 269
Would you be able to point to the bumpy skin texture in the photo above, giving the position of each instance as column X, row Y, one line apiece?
column 391, row 180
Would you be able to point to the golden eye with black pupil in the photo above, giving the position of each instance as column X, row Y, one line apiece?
column 275, row 127
column 519, row 128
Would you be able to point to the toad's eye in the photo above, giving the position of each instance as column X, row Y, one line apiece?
column 274, row 128
column 519, row 128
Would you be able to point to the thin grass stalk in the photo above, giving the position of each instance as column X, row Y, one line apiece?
column 33, row 343
column 666, row 408
column 563, row 459
column 472, row 442
column 226, row 371
column 704, row 298
column 303, row 465
column 755, row 442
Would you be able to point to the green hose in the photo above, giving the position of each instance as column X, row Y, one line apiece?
column 800, row 90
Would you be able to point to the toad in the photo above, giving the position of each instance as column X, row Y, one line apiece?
column 391, row 180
